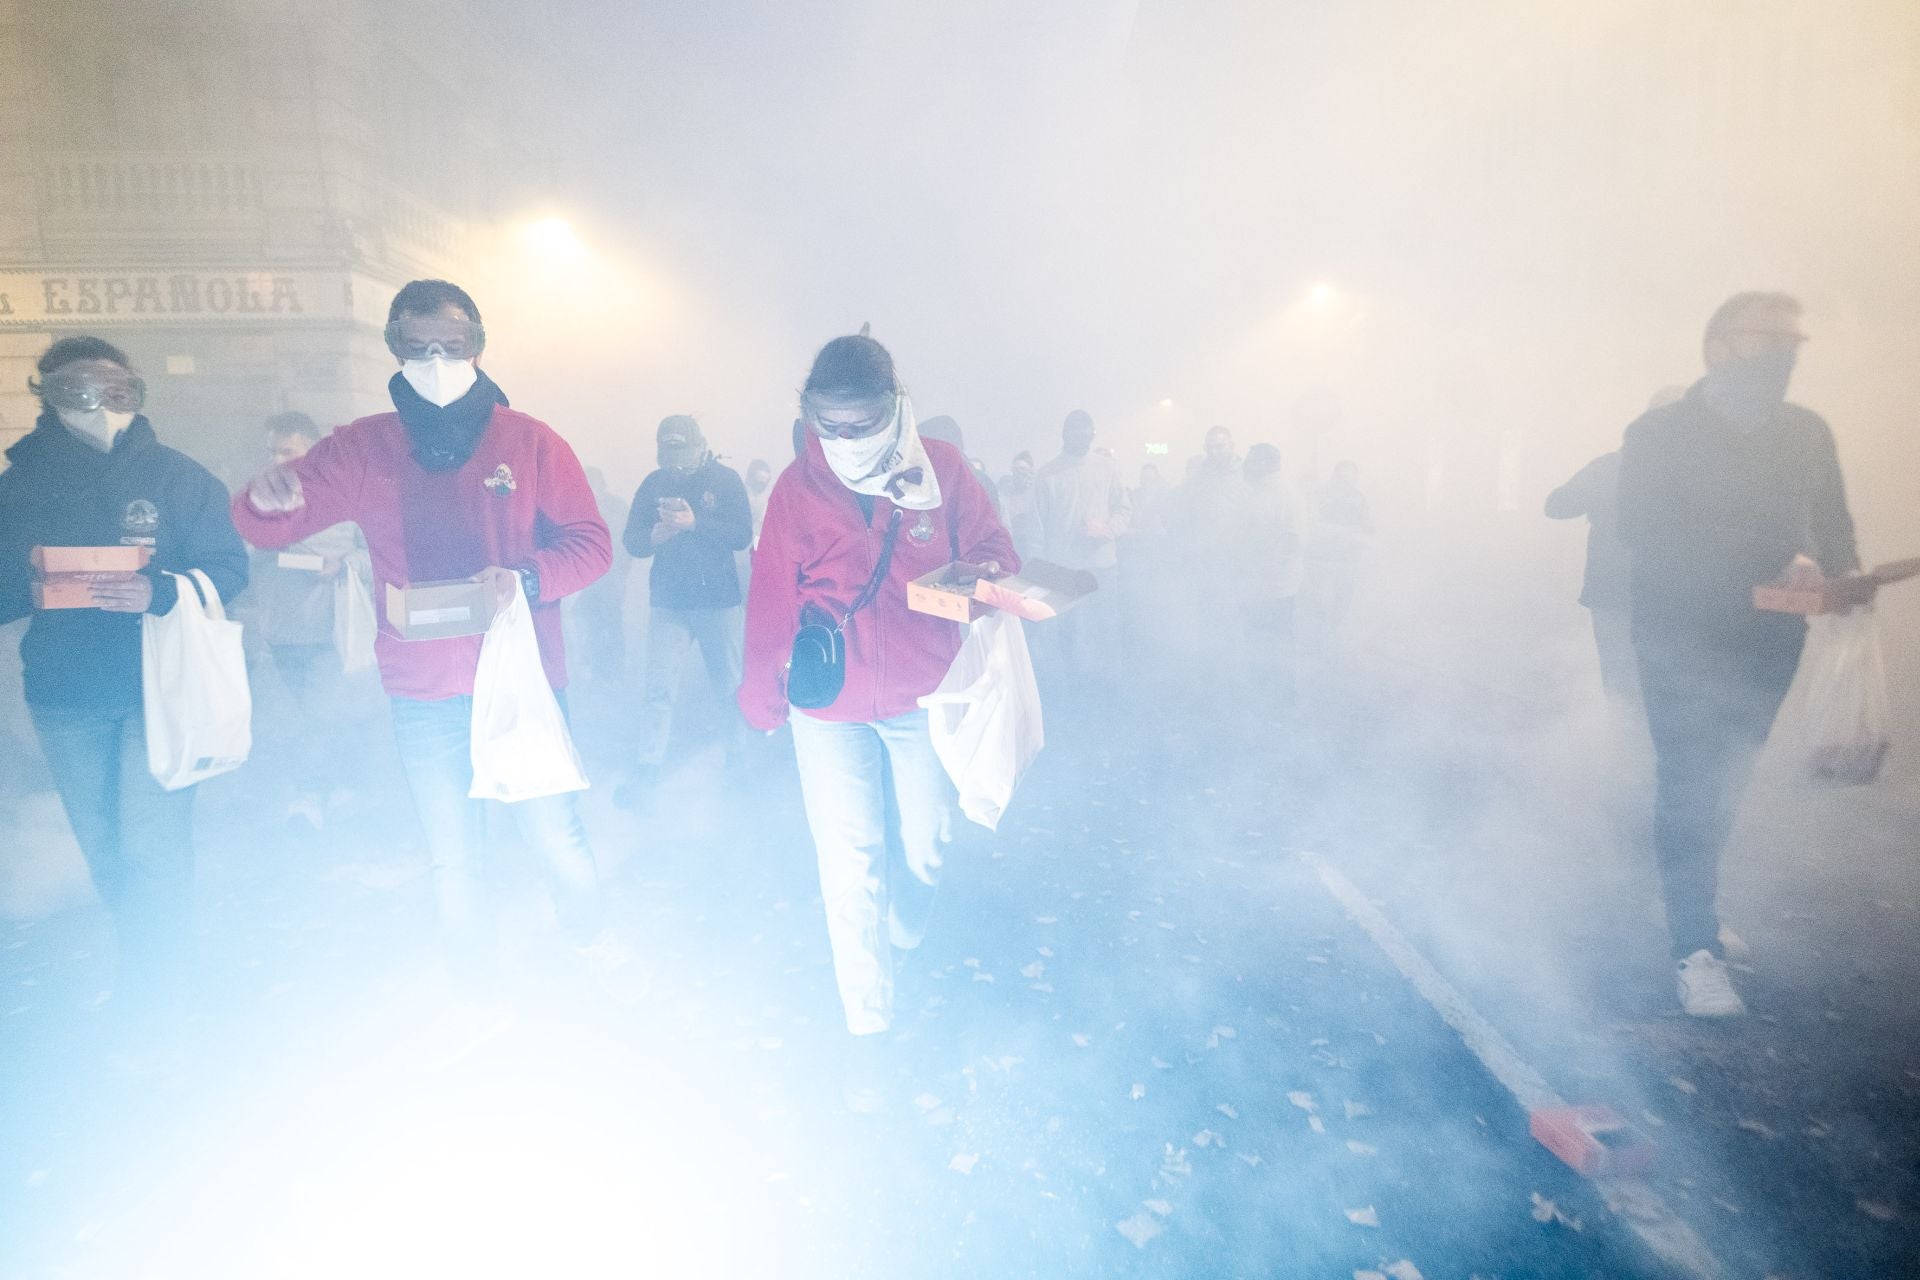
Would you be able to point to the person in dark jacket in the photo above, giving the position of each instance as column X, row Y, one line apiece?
column 689, row 517
column 1729, row 488
column 1592, row 494
column 92, row 474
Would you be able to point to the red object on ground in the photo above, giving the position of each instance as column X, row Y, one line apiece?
column 1594, row 1140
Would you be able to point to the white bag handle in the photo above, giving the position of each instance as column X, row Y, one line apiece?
column 208, row 598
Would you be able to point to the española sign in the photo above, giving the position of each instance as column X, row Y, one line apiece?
column 42, row 299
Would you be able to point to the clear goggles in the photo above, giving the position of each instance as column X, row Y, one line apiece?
column 78, row 392
column 834, row 417
column 424, row 337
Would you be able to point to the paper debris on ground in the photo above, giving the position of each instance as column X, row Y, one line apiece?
column 963, row 1163
column 1208, row 1138
column 1218, row 1034
column 1138, row 1229
column 1684, row 1086
column 1361, row 1148
column 926, row 1102
column 1160, row 1207
column 1357, row 1109
column 1877, row 1210
column 1161, row 1064
column 1754, row 1126
column 1081, row 1040
column 1545, row 1210
column 1363, row 1217
column 1303, row 1100
column 1138, row 1092
column 1226, row 1109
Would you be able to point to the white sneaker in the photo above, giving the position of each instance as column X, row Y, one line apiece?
column 1705, row 991
column 1734, row 947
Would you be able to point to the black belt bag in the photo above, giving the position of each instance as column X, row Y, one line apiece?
column 817, row 671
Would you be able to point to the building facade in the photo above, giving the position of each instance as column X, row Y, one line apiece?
column 231, row 191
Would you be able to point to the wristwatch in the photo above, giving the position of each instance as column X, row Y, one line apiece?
column 530, row 583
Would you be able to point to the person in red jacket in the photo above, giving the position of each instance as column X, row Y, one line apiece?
column 866, row 491
column 455, row 484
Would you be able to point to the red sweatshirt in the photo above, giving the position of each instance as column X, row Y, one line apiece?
column 521, row 501
column 816, row 548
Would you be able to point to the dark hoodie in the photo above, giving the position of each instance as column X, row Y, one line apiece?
column 695, row 569
column 60, row 491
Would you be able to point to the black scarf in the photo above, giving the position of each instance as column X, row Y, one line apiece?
column 443, row 438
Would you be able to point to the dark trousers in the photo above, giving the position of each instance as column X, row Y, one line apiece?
column 136, row 836
column 1710, row 704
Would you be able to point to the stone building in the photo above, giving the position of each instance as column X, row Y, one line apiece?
column 231, row 190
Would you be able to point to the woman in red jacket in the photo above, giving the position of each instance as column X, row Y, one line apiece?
column 866, row 508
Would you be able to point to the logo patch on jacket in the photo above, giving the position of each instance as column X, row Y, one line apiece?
column 708, row 501
column 139, row 523
column 501, row 482
column 922, row 530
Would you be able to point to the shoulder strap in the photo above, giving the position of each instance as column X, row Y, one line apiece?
column 872, row 589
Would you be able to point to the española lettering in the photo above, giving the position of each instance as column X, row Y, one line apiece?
column 175, row 295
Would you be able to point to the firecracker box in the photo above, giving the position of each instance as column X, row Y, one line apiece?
column 439, row 610
column 962, row 592
column 1835, row 594
column 1595, row 1141
column 70, row 590
column 110, row 560
column 300, row 560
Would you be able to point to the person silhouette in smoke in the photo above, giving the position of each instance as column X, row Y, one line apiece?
column 1726, row 489
column 1083, row 507
column 690, row 517
column 868, row 507
column 455, row 484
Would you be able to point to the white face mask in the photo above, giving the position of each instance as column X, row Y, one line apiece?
column 439, row 380
column 98, row 427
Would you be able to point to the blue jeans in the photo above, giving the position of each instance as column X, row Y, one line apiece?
column 878, row 801
column 670, row 634
column 435, row 741
column 136, row 835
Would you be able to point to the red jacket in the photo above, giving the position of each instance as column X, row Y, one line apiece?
column 816, row 548
column 521, row 501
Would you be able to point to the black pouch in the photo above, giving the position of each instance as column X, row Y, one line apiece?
column 817, row 669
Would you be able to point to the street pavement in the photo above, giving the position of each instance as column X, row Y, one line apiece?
column 1140, row 1040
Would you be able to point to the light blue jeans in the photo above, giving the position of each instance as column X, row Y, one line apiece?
column 878, row 801
column 435, row 741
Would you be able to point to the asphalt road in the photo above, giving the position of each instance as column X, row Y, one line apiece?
column 1140, row 1040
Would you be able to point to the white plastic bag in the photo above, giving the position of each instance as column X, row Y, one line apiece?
column 354, row 623
column 1847, row 719
column 985, row 717
column 193, row 687
column 521, row 747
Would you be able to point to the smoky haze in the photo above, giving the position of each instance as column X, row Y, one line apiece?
column 1460, row 244
column 1485, row 233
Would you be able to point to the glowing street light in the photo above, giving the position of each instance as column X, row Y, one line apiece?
column 553, row 240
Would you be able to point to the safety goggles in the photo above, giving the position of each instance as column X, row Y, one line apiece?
column 77, row 392
column 834, row 417
column 424, row 337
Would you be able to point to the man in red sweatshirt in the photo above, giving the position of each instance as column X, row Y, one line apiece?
column 455, row 484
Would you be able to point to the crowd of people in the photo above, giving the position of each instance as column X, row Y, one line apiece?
column 792, row 586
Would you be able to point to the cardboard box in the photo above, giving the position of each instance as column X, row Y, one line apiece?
column 1594, row 1140
column 1039, row 591
column 438, row 610
column 70, row 590
column 300, row 560
column 48, row 560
